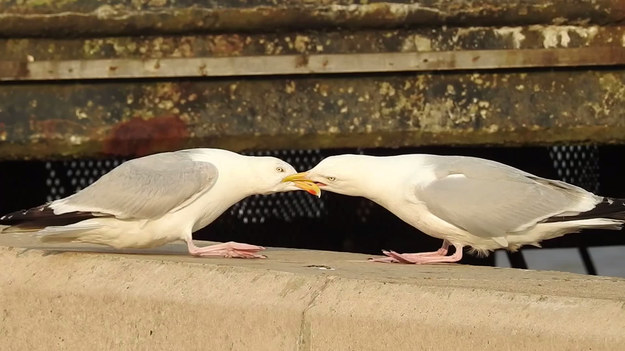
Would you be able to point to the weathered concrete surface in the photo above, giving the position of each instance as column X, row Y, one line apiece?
column 113, row 17
column 132, row 118
column 295, row 300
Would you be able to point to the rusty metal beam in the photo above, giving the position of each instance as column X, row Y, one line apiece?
column 47, row 18
column 446, row 100
column 444, row 108
column 310, row 64
column 313, row 43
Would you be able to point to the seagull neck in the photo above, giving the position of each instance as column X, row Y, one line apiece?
column 369, row 186
column 378, row 194
column 247, row 185
column 381, row 184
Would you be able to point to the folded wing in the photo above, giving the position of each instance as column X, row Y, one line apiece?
column 489, row 199
column 143, row 188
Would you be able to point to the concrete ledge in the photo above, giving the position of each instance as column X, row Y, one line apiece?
column 54, row 298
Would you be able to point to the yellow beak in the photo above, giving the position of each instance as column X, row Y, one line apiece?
column 300, row 181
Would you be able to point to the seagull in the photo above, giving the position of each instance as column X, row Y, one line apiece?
column 466, row 201
column 153, row 200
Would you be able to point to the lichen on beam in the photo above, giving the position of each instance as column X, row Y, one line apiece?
column 511, row 108
column 126, row 17
column 433, row 39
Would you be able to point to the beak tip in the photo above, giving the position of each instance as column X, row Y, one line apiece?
column 301, row 181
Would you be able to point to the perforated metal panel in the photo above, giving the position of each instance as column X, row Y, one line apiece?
column 577, row 164
column 67, row 177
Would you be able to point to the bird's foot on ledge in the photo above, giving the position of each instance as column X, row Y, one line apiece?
column 230, row 249
column 438, row 256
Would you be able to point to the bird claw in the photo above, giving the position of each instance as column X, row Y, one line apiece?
column 389, row 259
column 395, row 257
column 230, row 249
column 383, row 260
column 438, row 256
column 400, row 258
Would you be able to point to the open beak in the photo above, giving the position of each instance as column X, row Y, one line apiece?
column 300, row 181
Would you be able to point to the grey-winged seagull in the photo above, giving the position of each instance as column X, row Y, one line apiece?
column 466, row 201
column 149, row 201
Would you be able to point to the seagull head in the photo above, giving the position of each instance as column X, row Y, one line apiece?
column 338, row 174
column 273, row 174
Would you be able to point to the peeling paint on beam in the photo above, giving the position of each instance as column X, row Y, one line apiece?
column 47, row 18
column 310, row 64
column 453, row 108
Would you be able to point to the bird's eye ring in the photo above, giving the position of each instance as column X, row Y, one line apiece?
column 280, row 169
column 331, row 179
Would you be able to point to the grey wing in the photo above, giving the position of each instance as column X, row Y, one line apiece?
column 147, row 187
column 494, row 200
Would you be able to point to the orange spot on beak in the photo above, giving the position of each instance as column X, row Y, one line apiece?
column 301, row 181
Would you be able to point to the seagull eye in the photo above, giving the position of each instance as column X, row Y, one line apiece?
column 331, row 178
column 280, row 169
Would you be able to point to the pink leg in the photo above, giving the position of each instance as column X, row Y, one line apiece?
column 439, row 256
column 390, row 259
column 230, row 249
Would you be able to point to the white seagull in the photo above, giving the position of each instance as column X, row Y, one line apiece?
column 153, row 200
column 466, row 201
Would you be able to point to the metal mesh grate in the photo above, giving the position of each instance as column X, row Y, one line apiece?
column 66, row 177
column 577, row 164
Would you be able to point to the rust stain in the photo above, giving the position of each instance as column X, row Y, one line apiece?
column 140, row 136
column 227, row 45
column 15, row 69
column 301, row 61
column 55, row 128
column 203, row 69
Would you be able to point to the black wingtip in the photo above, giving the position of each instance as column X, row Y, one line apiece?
column 43, row 216
column 610, row 208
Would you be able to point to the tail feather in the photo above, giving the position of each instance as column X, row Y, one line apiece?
column 16, row 229
column 59, row 238
column 609, row 208
column 41, row 217
column 67, row 233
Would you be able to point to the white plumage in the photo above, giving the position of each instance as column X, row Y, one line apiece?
column 467, row 201
column 153, row 200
